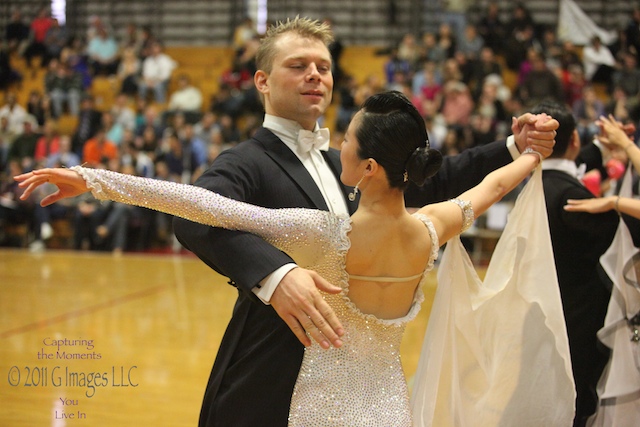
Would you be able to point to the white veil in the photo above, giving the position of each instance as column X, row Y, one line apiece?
column 496, row 353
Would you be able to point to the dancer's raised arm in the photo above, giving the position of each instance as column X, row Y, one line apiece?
column 186, row 201
column 446, row 216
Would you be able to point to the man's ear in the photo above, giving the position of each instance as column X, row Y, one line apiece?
column 575, row 139
column 372, row 167
column 261, row 80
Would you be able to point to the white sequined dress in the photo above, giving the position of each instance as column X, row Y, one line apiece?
column 359, row 384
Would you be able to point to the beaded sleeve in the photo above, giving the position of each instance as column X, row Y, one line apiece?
column 467, row 213
column 287, row 229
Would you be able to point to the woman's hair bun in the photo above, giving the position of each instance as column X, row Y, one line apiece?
column 423, row 164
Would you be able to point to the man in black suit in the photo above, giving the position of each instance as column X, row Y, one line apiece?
column 278, row 303
column 578, row 240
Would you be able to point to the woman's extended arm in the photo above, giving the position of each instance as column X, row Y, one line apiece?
column 492, row 189
column 187, row 201
column 614, row 134
column 624, row 205
column 446, row 216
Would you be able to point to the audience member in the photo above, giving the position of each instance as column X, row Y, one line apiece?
column 457, row 104
column 471, row 44
column 551, row 48
column 517, row 45
column 180, row 159
column 573, row 82
column 447, row 39
column 430, row 50
column 132, row 155
column 6, row 140
column 427, row 82
column 14, row 112
column 229, row 132
column 227, row 100
column 131, row 38
column 196, row 145
column 156, row 72
column 148, row 39
column 8, row 74
column 114, row 131
column 40, row 106
column 491, row 28
column 64, row 87
column 620, row 45
column 129, row 71
column 89, row 120
column 372, row 84
column 186, row 98
column 55, row 40
column 540, row 83
column 396, row 67
column 408, row 50
column 619, row 105
column 486, row 65
column 627, row 77
column 520, row 19
column 13, row 211
column 598, row 62
column 100, row 225
column 569, row 55
column 38, row 32
column 74, row 56
column 16, row 33
column 586, row 111
column 103, row 54
column 64, row 157
column 454, row 13
column 24, row 145
column 47, row 144
column 244, row 32
column 489, row 106
column 99, row 150
column 123, row 113
column 632, row 30
column 148, row 117
column 94, row 26
column 206, row 127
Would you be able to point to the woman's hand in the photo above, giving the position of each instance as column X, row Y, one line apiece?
column 597, row 205
column 69, row 183
column 613, row 133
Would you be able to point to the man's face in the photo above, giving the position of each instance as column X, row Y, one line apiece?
column 300, row 84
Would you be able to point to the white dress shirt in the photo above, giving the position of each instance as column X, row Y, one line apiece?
column 563, row 165
column 316, row 165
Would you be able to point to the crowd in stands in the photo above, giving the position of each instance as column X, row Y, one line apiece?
column 467, row 83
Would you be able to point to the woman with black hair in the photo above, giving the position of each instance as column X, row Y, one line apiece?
column 379, row 256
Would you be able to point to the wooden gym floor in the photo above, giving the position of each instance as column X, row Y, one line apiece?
column 141, row 335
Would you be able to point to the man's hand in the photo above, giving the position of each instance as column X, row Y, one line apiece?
column 535, row 130
column 299, row 303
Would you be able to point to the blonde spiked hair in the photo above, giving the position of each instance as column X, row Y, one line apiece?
column 304, row 27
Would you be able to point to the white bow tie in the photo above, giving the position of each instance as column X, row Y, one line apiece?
column 308, row 140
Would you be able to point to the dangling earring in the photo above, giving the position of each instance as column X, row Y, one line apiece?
column 352, row 195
